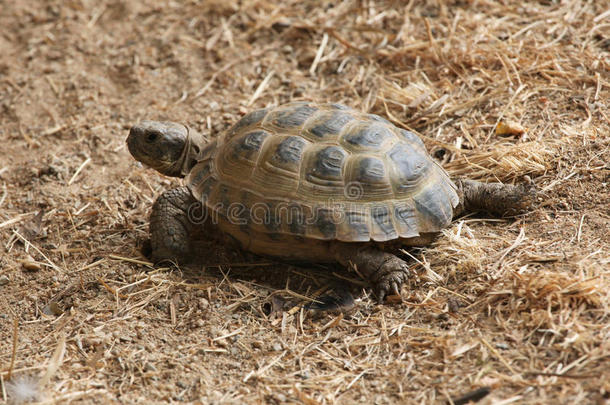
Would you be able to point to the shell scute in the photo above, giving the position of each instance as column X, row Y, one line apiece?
column 435, row 210
column 410, row 165
column 406, row 219
column 356, row 226
column 293, row 217
column 291, row 117
column 246, row 121
column 368, row 135
column 368, row 179
column 245, row 147
column 329, row 124
column 329, row 163
column 290, row 150
column 383, row 226
column 377, row 118
column 254, row 140
column 279, row 165
column 411, row 138
column 372, row 170
column 325, row 223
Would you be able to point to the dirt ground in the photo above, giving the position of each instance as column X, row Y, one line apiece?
column 517, row 308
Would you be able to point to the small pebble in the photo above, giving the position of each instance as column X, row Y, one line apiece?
column 277, row 347
column 4, row 280
column 29, row 264
column 52, row 308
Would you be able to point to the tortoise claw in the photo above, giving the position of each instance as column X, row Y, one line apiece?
column 395, row 289
column 391, row 281
column 380, row 292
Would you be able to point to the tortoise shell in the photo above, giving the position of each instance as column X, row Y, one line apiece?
column 325, row 172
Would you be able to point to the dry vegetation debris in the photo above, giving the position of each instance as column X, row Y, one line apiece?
column 516, row 309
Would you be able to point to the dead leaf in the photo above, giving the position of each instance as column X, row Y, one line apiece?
column 509, row 128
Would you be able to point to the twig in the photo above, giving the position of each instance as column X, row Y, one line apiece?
column 314, row 65
column 51, row 264
column 14, row 352
column 55, row 362
column 235, row 332
column 498, row 355
column 579, row 233
column 472, row 396
column 81, row 167
column 358, row 377
column 130, row 260
column 15, row 219
column 261, row 87
column 111, row 290
column 261, row 370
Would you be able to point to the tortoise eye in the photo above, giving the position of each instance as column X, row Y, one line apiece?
column 151, row 137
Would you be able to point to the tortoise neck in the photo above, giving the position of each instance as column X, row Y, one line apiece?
column 193, row 145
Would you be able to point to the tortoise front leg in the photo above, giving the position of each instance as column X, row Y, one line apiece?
column 386, row 271
column 171, row 227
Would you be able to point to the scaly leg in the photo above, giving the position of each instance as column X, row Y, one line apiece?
column 385, row 271
column 496, row 198
column 171, row 225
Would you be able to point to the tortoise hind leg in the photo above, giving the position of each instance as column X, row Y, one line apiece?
column 386, row 271
column 171, row 227
column 496, row 198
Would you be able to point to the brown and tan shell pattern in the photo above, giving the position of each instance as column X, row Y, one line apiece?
column 326, row 172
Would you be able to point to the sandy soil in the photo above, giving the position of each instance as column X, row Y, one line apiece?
column 515, row 307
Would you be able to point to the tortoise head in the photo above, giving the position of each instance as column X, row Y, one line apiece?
column 168, row 147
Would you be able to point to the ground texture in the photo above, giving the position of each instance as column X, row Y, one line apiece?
column 513, row 91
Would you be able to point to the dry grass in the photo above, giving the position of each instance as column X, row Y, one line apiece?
column 517, row 308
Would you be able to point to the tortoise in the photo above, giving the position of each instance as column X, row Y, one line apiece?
column 309, row 182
